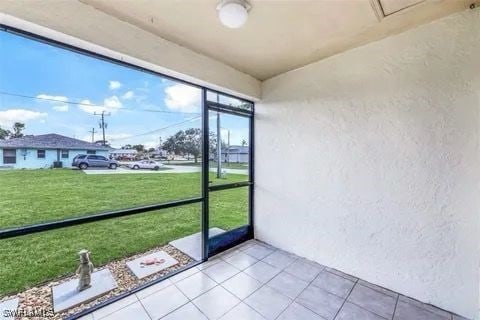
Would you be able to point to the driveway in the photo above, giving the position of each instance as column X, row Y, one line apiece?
column 164, row 169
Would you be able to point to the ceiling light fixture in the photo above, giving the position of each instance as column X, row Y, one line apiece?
column 233, row 13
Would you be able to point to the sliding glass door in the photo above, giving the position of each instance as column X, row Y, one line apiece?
column 230, row 171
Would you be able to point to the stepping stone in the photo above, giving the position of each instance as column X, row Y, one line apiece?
column 192, row 245
column 141, row 272
column 66, row 296
column 8, row 308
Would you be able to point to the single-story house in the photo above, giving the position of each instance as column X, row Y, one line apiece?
column 235, row 154
column 41, row 151
column 157, row 154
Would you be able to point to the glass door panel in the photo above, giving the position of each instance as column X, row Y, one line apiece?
column 229, row 178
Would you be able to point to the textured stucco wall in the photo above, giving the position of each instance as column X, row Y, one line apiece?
column 368, row 162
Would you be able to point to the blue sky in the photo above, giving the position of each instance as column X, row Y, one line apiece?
column 138, row 102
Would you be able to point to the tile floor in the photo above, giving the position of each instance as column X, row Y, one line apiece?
column 255, row 281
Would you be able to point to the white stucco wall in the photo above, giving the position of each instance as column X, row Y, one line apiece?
column 368, row 162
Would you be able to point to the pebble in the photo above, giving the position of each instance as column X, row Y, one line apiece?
column 40, row 297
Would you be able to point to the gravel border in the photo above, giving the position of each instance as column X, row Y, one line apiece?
column 40, row 298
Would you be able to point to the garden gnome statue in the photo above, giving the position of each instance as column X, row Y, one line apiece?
column 84, row 270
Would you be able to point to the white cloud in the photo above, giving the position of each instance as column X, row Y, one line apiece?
column 9, row 117
column 114, row 85
column 111, row 104
column 49, row 97
column 57, row 101
column 128, row 95
column 183, row 98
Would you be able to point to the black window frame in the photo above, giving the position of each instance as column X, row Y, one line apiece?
column 7, row 159
column 41, row 153
column 206, row 107
column 239, row 235
column 65, row 154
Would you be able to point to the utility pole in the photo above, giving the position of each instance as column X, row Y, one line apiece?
column 103, row 125
column 227, row 154
column 219, row 143
column 93, row 134
column 219, row 148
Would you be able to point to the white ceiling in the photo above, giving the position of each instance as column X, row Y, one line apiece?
column 279, row 35
column 187, row 40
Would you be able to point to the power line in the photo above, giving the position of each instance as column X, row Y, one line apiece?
column 88, row 104
column 157, row 130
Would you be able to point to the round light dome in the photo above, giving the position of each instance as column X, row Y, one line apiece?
column 233, row 14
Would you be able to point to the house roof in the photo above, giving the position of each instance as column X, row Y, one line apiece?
column 49, row 141
column 236, row 149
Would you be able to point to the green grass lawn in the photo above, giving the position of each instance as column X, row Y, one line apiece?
column 44, row 195
column 33, row 196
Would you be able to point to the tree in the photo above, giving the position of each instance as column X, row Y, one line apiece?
column 139, row 147
column 127, row 147
column 193, row 142
column 4, row 134
column 18, row 128
column 244, row 143
column 188, row 142
column 17, row 132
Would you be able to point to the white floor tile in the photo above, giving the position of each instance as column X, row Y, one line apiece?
column 216, row 302
column 280, row 259
column 184, row 274
column 195, row 285
column 221, row 271
column 111, row 308
column 241, row 260
column 153, row 288
column 262, row 272
column 298, row 312
column 287, row 284
column 242, row 285
column 186, row 312
column 133, row 311
column 304, row 269
column 268, row 302
column 242, row 312
column 258, row 251
column 164, row 301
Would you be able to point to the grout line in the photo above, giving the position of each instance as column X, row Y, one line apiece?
column 294, row 300
column 369, row 311
column 346, row 298
column 108, row 314
column 374, row 287
column 195, row 306
column 395, row 309
column 144, row 309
